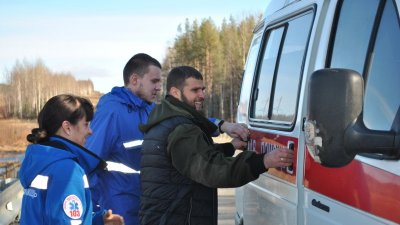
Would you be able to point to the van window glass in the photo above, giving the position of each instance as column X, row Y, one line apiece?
column 353, row 33
column 261, row 96
column 290, row 69
column 382, row 92
column 252, row 58
column 248, row 78
column 276, row 91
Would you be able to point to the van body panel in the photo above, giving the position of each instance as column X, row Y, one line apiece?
column 260, row 206
column 339, row 213
column 275, row 190
column 356, row 184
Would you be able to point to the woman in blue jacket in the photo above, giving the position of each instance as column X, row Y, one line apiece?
column 56, row 167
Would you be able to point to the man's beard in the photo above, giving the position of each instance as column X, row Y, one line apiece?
column 185, row 100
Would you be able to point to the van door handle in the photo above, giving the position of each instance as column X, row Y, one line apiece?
column 320, row 205
column 290, row 145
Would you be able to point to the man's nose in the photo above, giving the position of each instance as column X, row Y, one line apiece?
column 158, row 86
column 202, row 94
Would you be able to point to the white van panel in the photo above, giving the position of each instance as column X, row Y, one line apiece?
column 264, row 206
column 338, row 213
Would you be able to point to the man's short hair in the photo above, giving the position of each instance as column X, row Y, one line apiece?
column 139, row 64
column 178, row 75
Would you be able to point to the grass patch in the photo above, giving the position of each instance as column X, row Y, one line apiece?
column 13, row 134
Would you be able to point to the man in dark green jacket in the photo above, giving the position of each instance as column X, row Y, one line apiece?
column 181, row 167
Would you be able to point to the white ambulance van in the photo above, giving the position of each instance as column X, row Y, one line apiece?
column 323, row 78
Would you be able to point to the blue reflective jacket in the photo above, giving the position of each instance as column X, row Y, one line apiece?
column 116, row 139
column 54, row 176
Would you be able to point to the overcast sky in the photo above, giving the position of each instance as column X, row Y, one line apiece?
column 94, row 39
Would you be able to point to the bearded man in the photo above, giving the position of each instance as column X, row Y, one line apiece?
column 181, row 166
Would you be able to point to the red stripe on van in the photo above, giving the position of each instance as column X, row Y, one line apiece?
column 359, row 185
column 263, row 143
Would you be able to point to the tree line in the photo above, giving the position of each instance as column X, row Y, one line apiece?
column 219, row 53
column 29, row 85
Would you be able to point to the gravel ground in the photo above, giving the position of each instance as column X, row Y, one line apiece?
column 226, row 206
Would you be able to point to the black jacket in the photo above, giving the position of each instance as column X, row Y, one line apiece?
column 181, row 167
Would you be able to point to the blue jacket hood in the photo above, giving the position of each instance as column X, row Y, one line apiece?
column 39, row 156
column 124, row 96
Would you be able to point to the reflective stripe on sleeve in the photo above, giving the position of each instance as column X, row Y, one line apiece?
column 132, row 144
column 76, row 222
column 85, row 181
column 40, row 182
column 119, row 167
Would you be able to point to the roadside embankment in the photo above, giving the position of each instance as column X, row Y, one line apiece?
column 13, row 134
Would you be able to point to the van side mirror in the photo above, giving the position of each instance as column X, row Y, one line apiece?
column 334, row 128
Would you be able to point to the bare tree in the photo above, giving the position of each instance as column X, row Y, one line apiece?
column 28, row 86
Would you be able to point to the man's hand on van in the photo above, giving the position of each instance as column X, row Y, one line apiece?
column 239, row 144
column 236, row 130
column 280, row 157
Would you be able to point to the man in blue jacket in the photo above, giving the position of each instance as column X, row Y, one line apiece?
column 117, row 139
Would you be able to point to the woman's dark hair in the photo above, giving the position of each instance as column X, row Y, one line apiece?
column 178, row 75
column 58, row 109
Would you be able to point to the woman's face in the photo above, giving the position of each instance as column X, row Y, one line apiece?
column 80, row 131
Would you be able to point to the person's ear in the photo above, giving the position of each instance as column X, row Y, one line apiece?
column 66, row 127
column 133, row 79
column 176, row 93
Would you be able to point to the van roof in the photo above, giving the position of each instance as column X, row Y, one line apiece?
column 275, row 5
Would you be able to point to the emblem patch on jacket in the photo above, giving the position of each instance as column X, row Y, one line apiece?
column 73, row 207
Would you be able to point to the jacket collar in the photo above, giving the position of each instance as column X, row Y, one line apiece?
column 87, row 159
column 198, row 118
column 128, row 97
